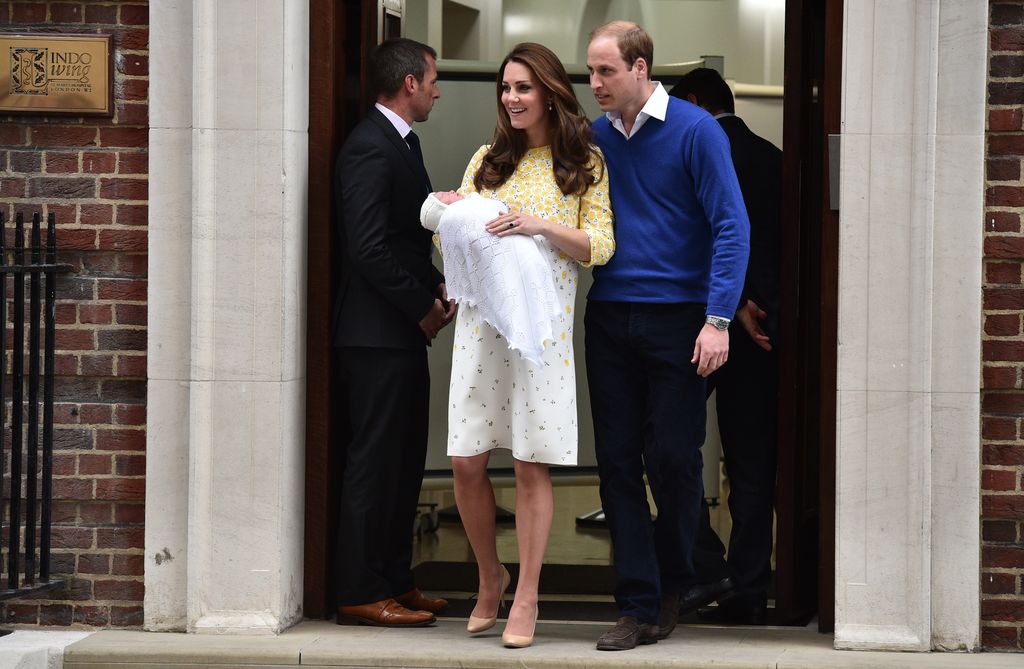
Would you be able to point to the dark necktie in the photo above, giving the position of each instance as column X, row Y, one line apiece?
column 414, row 144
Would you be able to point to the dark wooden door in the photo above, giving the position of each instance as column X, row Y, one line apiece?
column 805, row 507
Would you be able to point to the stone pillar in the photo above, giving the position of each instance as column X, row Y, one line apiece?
column 229, row 118
column 907, row 535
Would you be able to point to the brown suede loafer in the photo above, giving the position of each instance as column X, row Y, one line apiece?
column 627, row 634
column 385, row 613
column 417, row 601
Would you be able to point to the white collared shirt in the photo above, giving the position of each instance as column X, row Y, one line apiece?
column 401, row 126
column 656, row 107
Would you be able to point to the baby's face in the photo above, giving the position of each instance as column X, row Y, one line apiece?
column 448, row 197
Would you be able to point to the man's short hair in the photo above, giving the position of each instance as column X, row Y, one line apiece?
column 710, row 89
column 633, row 41
column 394, row 59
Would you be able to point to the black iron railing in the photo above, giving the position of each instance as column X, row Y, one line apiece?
column 31, row 462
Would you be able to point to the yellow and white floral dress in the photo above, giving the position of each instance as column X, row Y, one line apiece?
column 497, row 399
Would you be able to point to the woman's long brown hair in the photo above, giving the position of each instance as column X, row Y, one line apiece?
column 577, row 165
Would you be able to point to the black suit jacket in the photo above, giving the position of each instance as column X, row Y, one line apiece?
column 758, row 165
column 388, row 282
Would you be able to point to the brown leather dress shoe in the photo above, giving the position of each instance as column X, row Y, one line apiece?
column 385, row 613
column 417, row 601
column 627, row 634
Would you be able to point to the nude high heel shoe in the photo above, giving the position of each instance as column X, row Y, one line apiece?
column 476, row 624
column 519, row 640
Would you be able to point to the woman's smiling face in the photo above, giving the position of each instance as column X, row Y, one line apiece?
column 523, row 99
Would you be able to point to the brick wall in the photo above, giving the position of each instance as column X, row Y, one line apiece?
column 1002, row 585
column 92, row 173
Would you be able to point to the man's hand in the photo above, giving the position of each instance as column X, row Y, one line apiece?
column 750, row 316
column 711, row 350
column 433, row 321
column 449, row 305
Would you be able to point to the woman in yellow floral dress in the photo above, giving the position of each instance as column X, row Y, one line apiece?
column 542, row 165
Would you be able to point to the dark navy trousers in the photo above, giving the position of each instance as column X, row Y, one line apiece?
column 642, row 382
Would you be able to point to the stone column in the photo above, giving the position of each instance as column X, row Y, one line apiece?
column 907, row 506
column 229, row 118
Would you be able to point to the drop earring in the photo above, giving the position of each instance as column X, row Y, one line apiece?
column 550, row 106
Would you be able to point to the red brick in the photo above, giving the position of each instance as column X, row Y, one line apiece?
column 120, row 537
column 128, row 565
column 133, row 264
column 63, row 214
column 78, row 589
column 999, row 378
column 28, row 12
column 97, row 365
column 121, row 340
column 71, row 537
column 93, row 616
column 1006, row 14
column 1004, row 506
column 133, row 290
column 998, row 428
column 129, row 513
column 64, row 464
column 1003, row 169
column 1005, row 120
column 131, row 365
column 101, row 13
column 130, row 314
column 137, row 15
column 69, row 438
column 1006, row 610
column 1002, row 454
column 1000, row 196
column 133, row 163
column 94, row 563
column 132, row 39
column 55, row 614
column 121, row 440
column 100, row 263
column 129, row 113
column 60, row 162
column 75, row 187
column 14, row 188
column 99, row 162
column 12, row 135
column 132, row 214
column 1002, row 349
column 69, row 488
column 92, row 414
column 1006, row 145
column 1002, row 325
column 95, row 313
column 134, row 89
column 124, row 240
column 1003, row 298
column 75, row 340
column 65, row 365
column 65, row 513
column 130, row 465
column 1002, row 557
column 65, row 412
column 94, row 513
column 91, row 465
column 135, row 65
column 1006, row 39
column 64, row 12
column 124, row 189
column 999, row 530
column 22, row 614
column 79, row 240
column 126, row 137
column 63, row 136
column 26, row 161
column 998, row 479
column 97, row 214
column 1003, row 272
column 130, row 414
column 126, row 616
column 127, row 590
column 1006, row 66
column 993, row 583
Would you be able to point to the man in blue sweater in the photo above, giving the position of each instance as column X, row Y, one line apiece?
column 657, row 322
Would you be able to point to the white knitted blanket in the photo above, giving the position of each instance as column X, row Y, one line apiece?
column 507, row 278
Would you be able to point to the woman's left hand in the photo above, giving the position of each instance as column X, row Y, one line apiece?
column 516, row 223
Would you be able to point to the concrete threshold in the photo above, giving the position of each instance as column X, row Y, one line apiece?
column 320, row 644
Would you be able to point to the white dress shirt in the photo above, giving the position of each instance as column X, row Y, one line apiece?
column 655, row 107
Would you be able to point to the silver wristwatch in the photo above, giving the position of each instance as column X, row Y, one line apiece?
column 717, row 322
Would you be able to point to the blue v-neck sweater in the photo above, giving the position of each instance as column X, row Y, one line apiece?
column 681, row 228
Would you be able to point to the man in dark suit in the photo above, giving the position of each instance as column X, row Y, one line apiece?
column 391, row 303
column 747, row 400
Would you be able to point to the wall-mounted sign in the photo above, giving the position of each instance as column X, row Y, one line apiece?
column 56, row 74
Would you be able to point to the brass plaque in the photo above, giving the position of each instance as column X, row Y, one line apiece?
column 51, row 74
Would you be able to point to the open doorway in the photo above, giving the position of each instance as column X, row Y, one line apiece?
column 343, row 31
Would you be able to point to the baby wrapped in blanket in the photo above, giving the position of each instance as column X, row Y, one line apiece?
column 507, row 278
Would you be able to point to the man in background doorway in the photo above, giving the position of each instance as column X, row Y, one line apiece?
column 657, row 322
column 747, row 399
column 391, row 303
